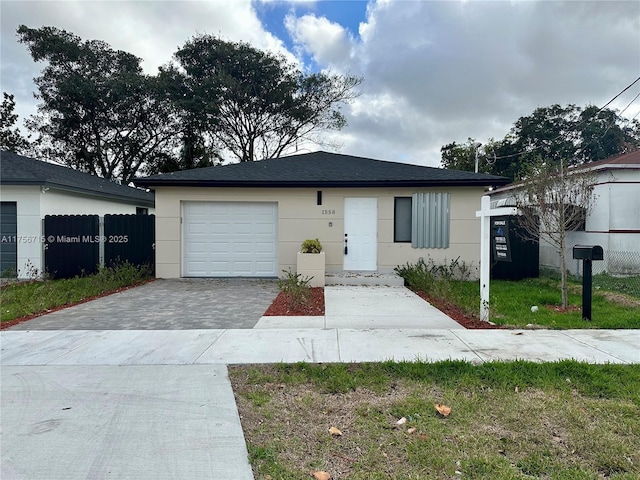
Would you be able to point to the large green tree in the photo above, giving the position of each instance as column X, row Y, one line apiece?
column 11, row 138
column 560, row 136
column 99, row 112
column 249, row 104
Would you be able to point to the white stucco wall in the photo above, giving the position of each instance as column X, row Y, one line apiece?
column 56, row 202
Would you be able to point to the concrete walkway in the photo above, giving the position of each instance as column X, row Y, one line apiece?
column 363, row 307
column 158, row 404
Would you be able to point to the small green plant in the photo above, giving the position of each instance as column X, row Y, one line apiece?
column 295, row 288
column 30, row 272
column 311, row 246
column 432, row 278
column 9, row 272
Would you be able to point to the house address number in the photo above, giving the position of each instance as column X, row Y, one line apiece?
column 328, row 212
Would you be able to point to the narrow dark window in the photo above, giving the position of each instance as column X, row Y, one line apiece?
column 319, row 197
column 402, row 220
column 142, row 211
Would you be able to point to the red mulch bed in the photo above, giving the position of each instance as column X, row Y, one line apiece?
column 467, row 321
column 281, row 307
column 11, row 323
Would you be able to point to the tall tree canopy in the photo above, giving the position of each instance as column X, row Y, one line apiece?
column 11, row 138
column 99, row 112
column 249, row 104
column 558, row 135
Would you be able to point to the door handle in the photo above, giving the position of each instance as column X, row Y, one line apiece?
column 346, row 247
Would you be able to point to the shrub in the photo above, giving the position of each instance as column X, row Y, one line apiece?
column 295, row 288
column 311, row 246
column 434, row 279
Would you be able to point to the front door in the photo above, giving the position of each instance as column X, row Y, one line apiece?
column 360, row 233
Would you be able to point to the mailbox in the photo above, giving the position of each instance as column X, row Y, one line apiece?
column 588, row 252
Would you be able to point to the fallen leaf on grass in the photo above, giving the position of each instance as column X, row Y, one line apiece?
column 516, row 390
column 335, row 432
column 320, row 475
column 443, row 409
column 411, row 430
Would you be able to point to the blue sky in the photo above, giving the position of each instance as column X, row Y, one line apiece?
column 434, row 71
column 347, row 13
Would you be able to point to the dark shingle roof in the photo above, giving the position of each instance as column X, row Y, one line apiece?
column 19, row 170
column 630, row 158
column 320, row 169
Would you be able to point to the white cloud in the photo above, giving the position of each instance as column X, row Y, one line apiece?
column 436, row 72
column 328, row 43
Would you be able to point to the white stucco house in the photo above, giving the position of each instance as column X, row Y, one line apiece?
column 249, row 219
column 613, row 222
column 30, row 189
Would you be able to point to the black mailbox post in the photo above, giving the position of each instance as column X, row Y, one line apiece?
column 587, row 253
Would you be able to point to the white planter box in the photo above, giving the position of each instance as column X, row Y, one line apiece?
column 312, row 265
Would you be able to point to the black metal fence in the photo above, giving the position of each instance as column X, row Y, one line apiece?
column 80, row 244
column 71, row 245
column 130, row 238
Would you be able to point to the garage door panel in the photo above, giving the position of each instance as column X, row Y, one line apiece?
column 219, row 248
column 230, row 239
column 242, row 248
column 196, row 248
column 264, row 268
column 263, row 248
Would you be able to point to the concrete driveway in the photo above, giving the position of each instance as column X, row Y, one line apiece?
column 180, row 304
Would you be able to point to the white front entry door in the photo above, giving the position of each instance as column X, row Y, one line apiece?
column 361, row 233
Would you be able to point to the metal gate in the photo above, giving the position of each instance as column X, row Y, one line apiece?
column 130, row 238
column 71, row 245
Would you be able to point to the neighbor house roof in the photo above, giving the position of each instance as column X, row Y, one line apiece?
column 19, row 170
column 624, row 160
column 320, row 169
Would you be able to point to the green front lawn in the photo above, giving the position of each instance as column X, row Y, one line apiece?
column 508, row 420
column 511, row 302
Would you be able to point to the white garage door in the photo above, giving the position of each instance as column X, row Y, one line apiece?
column 230, row 239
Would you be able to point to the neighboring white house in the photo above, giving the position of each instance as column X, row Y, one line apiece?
column 31, row 189
column 613, row 222
column 249, row 219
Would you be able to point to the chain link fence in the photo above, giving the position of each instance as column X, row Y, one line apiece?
column 618, row 272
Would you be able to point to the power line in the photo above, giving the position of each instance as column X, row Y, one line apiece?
column 621, row 112
column 577, row 124
column 629, row 104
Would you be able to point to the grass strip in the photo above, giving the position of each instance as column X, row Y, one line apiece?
column 509, row 420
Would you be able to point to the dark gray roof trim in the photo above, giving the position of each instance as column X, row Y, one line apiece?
column 20, row 170
column 321, row 169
